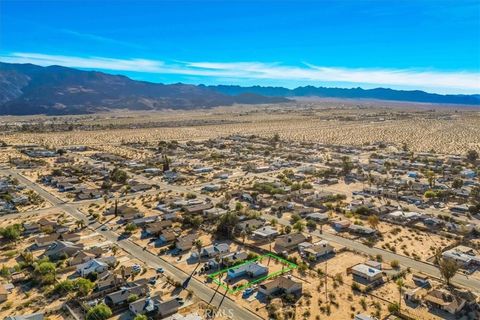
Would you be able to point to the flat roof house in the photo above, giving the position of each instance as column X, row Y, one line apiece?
column 252, row 269
column 319, row 249
column 266, row 232
column 367, row 273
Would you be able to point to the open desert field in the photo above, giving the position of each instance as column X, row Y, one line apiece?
column 422, row 127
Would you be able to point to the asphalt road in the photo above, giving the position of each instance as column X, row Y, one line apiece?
column 226, row 306
column 426, row 268
column 204, row 292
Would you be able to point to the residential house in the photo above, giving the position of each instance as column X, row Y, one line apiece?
column 147, row 306
column 156, row 228
column 32, row 316
column 167, row 236
column 366, row 274
column 289, row 242
column 361, row 230
column 120, row 297
column 281, row 285
column 197, row 208
column 463, row 255
column 167, row 308
column 444, row 300
column 61, row 249
column 316, row 250
column 44, row 241
column 186, row 242
column 341, row 225
column 265, row 233
column 92, row 266
column 108, row 280
column 317, row 216
column 214, row 250
column 252, row 270
column 250, row 224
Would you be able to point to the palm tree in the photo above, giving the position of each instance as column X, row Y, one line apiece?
column 243, row 234
column 198, row 244
column 80, row 223
column 123, row 272
column 400, row 285
column 116, row 207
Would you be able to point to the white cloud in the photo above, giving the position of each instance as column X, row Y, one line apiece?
column 436, row 81
column 100, row 39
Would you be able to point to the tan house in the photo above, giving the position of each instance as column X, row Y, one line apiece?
column 281, row 285
column 289, row 242
column 444, row 300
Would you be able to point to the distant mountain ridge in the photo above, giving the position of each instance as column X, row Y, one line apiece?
column 359, row 93
column 30, row 89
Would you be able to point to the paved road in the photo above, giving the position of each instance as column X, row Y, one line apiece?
column 226, row 306
column 421, row 266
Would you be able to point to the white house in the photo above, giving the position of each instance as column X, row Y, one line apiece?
column 367, row 273
column 92, row 266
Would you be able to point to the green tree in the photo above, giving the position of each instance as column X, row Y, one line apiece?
column 347, row 165
column 226, row 224
column 288, row 229
column 4, row 271
column 129, row 228
column 99, row 312
column 431, row 178
column 12, row 232
column 65, row 286
column 429, row 194
column 472, row 155
column 131, row 298
column 140, row 317
column 45, row 272
column 457, row 183
column 119, row 176
column 238, row 206
column 294, row 218
column 198, row 245
column 373, row 221
column 311, row 224
column 299, row 226
column 448, row 268
column 84, row 286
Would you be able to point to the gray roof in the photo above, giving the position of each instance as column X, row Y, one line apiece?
column 33, row 316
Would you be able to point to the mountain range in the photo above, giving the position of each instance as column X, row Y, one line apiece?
column 30, row 89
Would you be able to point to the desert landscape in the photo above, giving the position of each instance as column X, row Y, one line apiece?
column 423, row 127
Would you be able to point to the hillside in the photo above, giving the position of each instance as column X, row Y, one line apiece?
column 30, row 89
column 353, row 93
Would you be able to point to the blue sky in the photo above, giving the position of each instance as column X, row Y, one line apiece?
column 428, row 45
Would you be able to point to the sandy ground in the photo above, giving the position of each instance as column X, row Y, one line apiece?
column 444, row 131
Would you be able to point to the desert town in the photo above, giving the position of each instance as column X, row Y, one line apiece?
column 238, row 226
